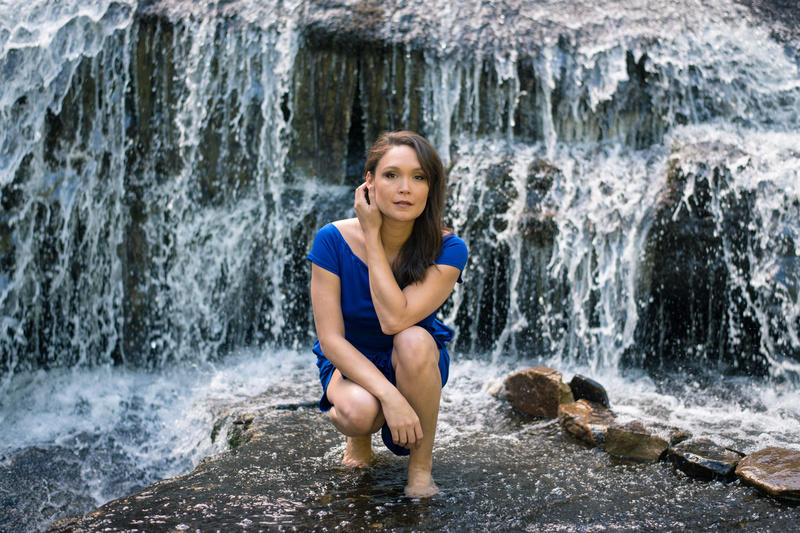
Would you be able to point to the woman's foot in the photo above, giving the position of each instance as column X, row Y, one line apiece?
column 358, row 453
column 420, row 484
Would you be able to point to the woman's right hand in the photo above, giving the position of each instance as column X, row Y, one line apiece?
column 403, row 421
column 366, row 208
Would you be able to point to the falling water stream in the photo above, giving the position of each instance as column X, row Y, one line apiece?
column 627, row 179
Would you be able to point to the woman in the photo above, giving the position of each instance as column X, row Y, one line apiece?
column 376, row 283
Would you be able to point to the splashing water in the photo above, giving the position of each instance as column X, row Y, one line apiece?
column 160, row 221
column 109, row 432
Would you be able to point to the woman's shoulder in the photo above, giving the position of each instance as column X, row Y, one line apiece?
column 345, row 224
column 349, row 229
column 454, row 251
column 337, row 228
column 451, row 239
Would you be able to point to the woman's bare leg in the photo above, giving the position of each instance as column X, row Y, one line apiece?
column 416, row 365
column 357, row 414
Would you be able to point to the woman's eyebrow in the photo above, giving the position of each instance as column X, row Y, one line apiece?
column 393, row 167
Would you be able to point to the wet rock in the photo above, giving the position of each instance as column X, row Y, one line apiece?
column 634, row 440
column 231, row 489
column 773, row 471
column 702, row 458
column 65, row 524
column 584, row 388
column 782, row 16
column 588, row 421
column 707, row 242
column 537, row 391
column 675, row 435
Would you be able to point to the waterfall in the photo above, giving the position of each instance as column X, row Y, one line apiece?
column 214, row 225
column 625, row 178
column 62, row 163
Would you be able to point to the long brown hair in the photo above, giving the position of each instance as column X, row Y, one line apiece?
column 425, row 243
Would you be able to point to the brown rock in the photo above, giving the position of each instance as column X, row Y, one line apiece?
column 634, row 441
column 702, row 458
column 586, row 420
column 537, row 391
column 773, row 471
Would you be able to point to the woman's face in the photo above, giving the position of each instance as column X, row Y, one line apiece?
column 400, row 187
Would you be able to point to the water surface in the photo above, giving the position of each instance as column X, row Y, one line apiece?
column 72, row 440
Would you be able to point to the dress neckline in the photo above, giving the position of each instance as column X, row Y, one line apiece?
column 349, row 249
column 347, row 245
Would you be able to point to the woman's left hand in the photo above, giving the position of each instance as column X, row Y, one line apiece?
column 366, row 207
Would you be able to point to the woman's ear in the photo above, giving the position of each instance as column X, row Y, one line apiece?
column 369, row 178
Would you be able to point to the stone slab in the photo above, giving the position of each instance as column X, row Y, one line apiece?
column 633, row 440
column 773, row 471
column 704, row 459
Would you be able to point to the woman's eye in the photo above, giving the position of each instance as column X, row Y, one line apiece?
column 391, row 175
column 419, row 177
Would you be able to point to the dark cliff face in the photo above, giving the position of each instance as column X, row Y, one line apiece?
column 208, row 147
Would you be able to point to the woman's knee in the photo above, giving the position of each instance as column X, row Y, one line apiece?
column 356, row 411
column 414, row 347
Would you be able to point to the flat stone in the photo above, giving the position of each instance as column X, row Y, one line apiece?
column 703, row 458
column 633, row 440
column 773, row 471
column 537, row 391
column 234, row 487
column 584, row 388
column 586, row 420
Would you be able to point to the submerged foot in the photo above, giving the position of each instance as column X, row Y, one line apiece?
column 358, row 453
column 420, row 484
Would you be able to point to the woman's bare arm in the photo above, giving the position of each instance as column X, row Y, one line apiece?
column 398, row 309
column 327, row 305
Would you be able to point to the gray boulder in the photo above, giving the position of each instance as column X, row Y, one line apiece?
column 584, row 388
column 702, row 458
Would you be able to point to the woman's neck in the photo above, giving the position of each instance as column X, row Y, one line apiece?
column 394, row 235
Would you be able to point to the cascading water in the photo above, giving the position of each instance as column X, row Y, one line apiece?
column 627, row 181
column 60, row 286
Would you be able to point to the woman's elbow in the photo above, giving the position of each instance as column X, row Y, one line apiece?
column 392, row 327
column 329, row 343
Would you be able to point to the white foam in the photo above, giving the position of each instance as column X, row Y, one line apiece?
column 160, row 421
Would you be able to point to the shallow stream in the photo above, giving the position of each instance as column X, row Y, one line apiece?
column 74, row 439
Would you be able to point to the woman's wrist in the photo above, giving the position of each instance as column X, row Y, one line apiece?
column 386, row 392
column 373, row 242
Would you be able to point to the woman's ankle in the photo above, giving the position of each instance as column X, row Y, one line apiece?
column 358, row 452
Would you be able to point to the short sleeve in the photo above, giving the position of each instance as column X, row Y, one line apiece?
column 454, row 253
column 323, row 252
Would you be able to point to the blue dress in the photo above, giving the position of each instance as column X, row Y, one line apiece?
column 361, row 325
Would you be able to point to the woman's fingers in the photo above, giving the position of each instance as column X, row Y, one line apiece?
column 366, row 208
column 408, row 436
column 403, row 423
column 418, row 431
column 360, row 196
